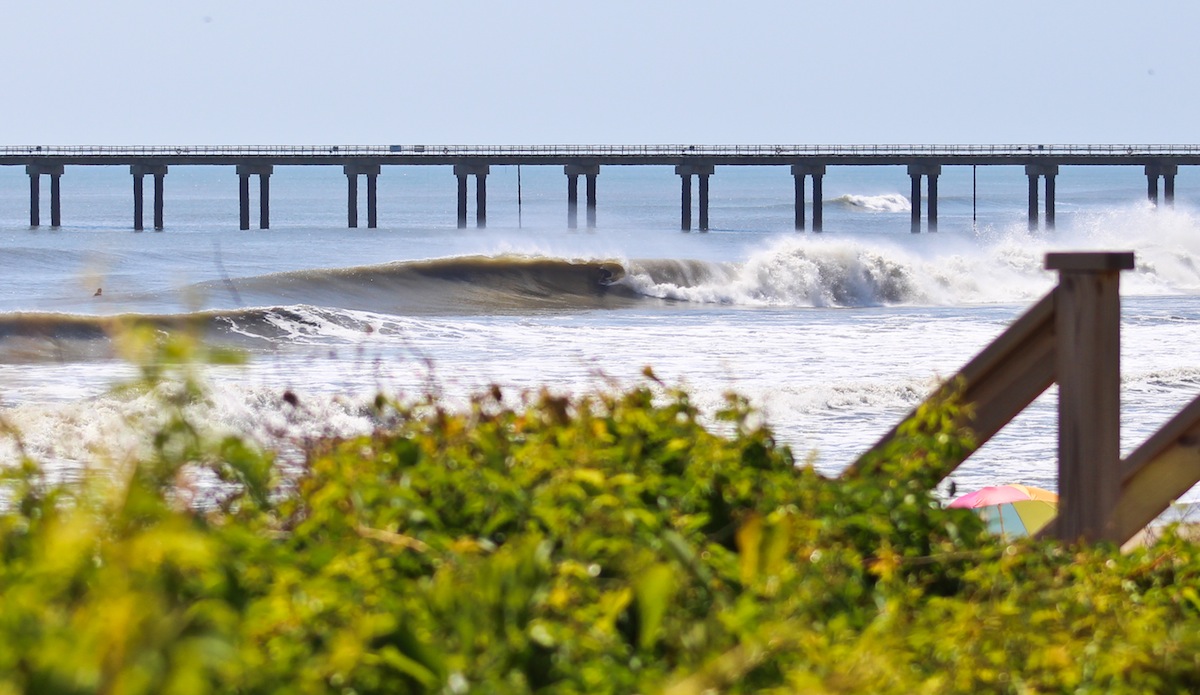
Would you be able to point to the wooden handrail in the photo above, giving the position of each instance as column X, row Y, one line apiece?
column 1072, row 337
column 1166, row 466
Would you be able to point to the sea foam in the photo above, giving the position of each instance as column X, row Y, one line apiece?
column 888, row 202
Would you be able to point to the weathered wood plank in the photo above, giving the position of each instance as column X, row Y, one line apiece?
column 1088, row 366
column 1161, row 470
column 999, row 382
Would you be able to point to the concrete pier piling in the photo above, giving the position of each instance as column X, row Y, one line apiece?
column 572, row 199
column 685, row 202
column 1168, row 173
column 462, row 198
column 159, row 185
column 35, row 200
column 263, row 171
column 931, row 173
column 1050, row 203
column 139, row 172
column 685, row 173
column 591, row 198
column 35, row 172
column 480, row 172
column 56, row 200
column 137, row 203
column 264, row 201
column 353, row 171
column 817, row 172
column 480, row 201
column 1034, row 171
column 931, row 185
column 573, row 172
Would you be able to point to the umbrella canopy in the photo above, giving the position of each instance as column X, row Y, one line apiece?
column 1000, row 494
column 1011, row 510
column 1019, row 518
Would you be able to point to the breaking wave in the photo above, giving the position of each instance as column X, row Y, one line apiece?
column 890, row 202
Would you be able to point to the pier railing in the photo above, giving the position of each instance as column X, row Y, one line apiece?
column 1072, row 337
column 602, row 151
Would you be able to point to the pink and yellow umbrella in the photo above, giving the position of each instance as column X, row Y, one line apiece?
column 1011, row 510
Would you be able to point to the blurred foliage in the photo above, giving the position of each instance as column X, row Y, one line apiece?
column 601, row 544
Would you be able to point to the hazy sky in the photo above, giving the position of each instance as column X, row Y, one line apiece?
column 604, row 71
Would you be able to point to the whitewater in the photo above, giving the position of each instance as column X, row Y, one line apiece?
column 833, row 336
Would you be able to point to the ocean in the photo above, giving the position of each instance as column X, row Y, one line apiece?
column 833, row 336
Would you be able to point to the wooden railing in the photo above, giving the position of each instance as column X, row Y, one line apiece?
column 1072, row 337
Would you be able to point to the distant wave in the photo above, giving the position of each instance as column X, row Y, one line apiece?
column 996, row 266
column 889, row 202
column 330, row 303
column 504, row 284
column 800, row 271
column 790, row 274
column 794, row 270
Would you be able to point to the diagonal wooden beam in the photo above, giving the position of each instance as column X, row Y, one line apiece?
column 1161, row 470
column 998, row 383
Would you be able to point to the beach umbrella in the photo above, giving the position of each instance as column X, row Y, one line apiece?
column 1011, row 510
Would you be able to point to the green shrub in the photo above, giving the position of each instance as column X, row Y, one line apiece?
column 607, row 543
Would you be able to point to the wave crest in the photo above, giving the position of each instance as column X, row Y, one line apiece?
column 889, row 202
column 789, row 274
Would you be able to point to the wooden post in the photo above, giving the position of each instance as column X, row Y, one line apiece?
column 1088, row 370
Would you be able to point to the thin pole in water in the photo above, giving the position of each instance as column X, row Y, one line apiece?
column 518, row 196
column 974, row 189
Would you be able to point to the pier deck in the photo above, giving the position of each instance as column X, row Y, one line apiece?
column 1041, row 162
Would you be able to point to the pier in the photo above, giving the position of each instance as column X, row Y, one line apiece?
column 923, row 162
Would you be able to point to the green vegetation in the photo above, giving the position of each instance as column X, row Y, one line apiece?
column 602, row 544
